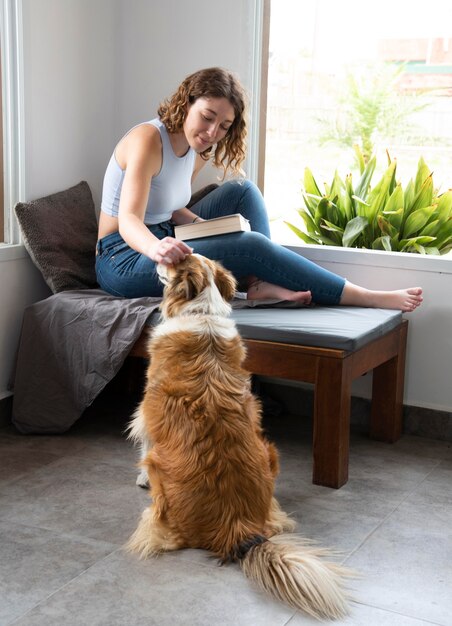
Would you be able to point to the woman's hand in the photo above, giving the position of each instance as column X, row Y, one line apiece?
column 169, row 251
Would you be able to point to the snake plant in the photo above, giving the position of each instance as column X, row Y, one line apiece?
column 381, row 217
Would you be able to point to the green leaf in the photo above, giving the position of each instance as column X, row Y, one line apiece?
column 332, row 227
column 380, row 194
column 353, row 230
column 423, row 172
column 432, row 250
column 382, row 243
column 424, row 196
column 395, row 201
column 309, row 222
column 408, row 196
column 366, row 176
column 301, row 234
column 415, row 241
column 321, row 211
column 395, row 243
column 337, row 186
column 349, row 204
column 328, row 241
column 444, row 233
column 360, row 200
column 359, row 158
column 394, row 217
column 310, row 203
column 445, row 206
column 310, row 184
column 431, row 229
column 417, row 220
column 386, row 227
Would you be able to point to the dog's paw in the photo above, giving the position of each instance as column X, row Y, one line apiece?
column 143, row 480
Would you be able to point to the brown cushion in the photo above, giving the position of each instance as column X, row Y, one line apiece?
column 60, row 234
column 199, row 195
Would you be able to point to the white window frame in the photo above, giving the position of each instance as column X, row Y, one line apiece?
column 258, row 104
column 13, row 123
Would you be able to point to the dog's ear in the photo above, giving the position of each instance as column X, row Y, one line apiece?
column 225, row 282
column 190, row 282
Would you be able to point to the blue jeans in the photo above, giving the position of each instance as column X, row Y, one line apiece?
column 124, row 272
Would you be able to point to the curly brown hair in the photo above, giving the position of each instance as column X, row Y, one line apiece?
column 213, row 82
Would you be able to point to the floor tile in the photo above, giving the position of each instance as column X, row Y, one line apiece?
column 77, row 496
column 35, row 563
column 406, row 562
column 121, row 590
column 17, row 462
column 363, row 615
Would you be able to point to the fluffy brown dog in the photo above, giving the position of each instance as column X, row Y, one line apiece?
column 210, row 469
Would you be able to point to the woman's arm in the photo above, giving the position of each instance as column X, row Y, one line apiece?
column 141, row 157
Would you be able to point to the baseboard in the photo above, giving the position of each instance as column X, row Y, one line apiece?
column 6, row 409
column 418, row 421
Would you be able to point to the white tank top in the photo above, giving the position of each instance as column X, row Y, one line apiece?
column 170, row 189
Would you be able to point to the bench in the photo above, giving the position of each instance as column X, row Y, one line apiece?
column 328, row 347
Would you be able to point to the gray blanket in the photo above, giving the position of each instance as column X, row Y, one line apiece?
column 72, row 344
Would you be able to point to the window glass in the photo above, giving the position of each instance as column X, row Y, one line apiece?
column 339, row 75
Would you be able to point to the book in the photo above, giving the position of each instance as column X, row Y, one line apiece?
column 217, row 226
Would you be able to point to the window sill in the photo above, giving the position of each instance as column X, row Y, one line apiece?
column 12, row 252
column 374, row 258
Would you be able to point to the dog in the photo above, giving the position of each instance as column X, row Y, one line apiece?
column 210, row 468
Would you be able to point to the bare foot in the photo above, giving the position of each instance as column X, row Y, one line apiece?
column 261, row 290
column 405, row 300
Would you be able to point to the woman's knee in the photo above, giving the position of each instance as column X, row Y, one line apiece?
column 252, row 206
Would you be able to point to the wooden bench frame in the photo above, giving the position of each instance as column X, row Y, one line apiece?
column 332, row 371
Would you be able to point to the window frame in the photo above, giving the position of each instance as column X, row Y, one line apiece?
column 11, row 40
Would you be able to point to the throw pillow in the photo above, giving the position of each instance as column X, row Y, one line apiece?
column 60, row 234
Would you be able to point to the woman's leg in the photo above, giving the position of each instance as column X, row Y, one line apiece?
column 236, row 197
column 285, row 275
column 282, row 273
column 245, row 198
column 122, row 271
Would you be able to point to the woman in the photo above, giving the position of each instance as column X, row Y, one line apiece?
column 148, row 183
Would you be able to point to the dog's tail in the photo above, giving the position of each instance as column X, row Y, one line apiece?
column 294, row 572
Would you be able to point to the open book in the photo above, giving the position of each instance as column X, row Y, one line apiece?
column 216, row 226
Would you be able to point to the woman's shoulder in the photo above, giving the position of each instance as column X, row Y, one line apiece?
column 147, row 133
column 141, row 140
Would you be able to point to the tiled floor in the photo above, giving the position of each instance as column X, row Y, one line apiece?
column 68, row 503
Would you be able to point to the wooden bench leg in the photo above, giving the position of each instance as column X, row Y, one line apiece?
column 386, row 417
column 331, row 439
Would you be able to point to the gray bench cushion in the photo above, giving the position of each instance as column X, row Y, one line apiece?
column 343, row 328
column 338, row 327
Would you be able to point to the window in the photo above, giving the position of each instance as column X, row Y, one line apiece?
column 324, row 59
column 11, row 172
